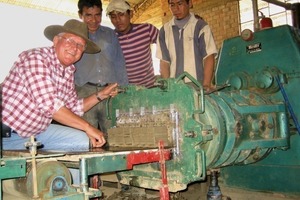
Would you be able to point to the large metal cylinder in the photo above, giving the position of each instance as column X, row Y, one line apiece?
column 205, row 131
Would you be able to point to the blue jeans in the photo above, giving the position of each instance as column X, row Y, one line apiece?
column 55, row 138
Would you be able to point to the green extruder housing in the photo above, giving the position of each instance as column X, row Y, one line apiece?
column 246, row 128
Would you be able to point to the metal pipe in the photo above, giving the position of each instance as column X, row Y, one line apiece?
column 287, row 102
column 287, row 6
column 295, row 8
column 33, row 150
column 255, row 15
column 83, row 175
column 177, row 132
column 296, row 15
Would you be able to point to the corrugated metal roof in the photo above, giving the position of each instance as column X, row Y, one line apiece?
column 66, row 7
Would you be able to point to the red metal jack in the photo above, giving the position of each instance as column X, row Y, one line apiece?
column 164, row 190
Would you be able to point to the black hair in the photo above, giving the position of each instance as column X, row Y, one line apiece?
column 88, row 3
column 185, row 0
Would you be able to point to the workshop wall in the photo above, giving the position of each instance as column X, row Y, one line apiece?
column 221, row 15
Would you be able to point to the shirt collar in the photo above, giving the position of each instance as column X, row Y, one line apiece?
column 191, row 18
column 130, row 30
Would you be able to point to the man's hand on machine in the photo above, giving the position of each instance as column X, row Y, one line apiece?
column 110, row 90
column 96, row 136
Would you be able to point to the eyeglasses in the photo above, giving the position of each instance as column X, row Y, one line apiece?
column 70, row 42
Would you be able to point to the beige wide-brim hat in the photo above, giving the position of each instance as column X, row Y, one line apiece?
column 117, row 5
column 75, row 27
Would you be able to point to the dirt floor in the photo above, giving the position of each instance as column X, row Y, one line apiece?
column 196, row 191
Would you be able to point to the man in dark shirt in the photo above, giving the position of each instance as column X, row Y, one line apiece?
column 93, row 71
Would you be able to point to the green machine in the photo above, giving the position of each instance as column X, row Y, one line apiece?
column 247, row 128
column 269, row 66
column 47, row 175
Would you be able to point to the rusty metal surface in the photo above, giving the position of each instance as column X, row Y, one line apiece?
column 141, row 130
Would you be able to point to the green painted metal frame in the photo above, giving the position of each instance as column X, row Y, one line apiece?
column 11, row 168
column 278, row 57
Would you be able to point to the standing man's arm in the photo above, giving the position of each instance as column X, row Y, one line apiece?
column 208, row 61
column 209, row 65
column 119, row 62
column 162, row 53
column 164, row 69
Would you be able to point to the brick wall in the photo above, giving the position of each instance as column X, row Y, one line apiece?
column 221, row 15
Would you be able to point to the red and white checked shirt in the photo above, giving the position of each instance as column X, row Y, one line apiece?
column 37, row 86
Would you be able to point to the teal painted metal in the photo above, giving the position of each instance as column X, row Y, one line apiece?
column 53, row 182
column 278, row 172
column 278, row 54
column 111, row 162
column 11, row 168
column 59, row 189
column 232, row 128
column 54, row 179
column 157, row 100
column 277, row 57
column 240, row 125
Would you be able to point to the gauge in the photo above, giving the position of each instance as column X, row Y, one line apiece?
column 247, row 35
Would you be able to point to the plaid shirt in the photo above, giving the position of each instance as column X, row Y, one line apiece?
column 37, row 86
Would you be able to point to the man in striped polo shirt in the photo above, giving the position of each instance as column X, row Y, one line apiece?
column 135, row 41
column 186, row 44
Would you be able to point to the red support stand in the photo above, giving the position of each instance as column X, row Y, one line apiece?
column 164, row 190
